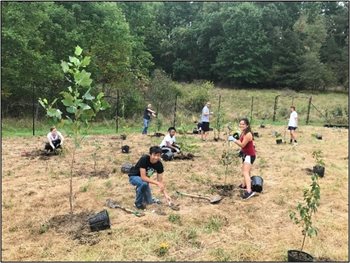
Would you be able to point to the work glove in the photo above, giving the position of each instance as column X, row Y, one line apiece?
column 177, row 150
column 232, row 139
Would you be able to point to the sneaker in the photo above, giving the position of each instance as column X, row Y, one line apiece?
column 142, row 207
column 242, row 187
column 247, row 195
column 156, row 201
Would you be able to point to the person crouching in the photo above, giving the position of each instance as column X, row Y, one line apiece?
column 169, row 141
column 55, row 139
column 141, row 176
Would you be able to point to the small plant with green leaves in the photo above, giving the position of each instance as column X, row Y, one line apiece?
column 228, row 158
column 162, row 249
column 307, row 210
column 318, row 156
column 80, row 104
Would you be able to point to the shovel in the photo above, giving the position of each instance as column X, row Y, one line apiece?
column 213, row 200
column 112, row 204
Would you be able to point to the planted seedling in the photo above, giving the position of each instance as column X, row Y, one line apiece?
column 80, row 102
column 304, row 212
column 319, row 168
column 228, row 158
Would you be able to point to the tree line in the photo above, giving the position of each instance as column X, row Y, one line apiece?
column 296, row 45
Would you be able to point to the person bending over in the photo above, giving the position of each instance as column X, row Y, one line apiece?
column 141, row 176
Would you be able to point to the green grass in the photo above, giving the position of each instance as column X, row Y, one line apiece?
column 235, row 103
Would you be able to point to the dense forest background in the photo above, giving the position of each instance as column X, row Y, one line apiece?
column 138, row 48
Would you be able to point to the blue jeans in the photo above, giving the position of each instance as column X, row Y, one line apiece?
column 143, row 191
column 145, row 126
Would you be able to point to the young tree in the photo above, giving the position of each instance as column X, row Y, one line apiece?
column 80, row 104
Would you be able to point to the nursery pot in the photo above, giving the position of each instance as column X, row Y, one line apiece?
column 125, row 149
column 123, row 136
column 319, row 136
column 299, row 256
column 195, row 131
column 262, row 126
column 257, row 183
column 100, row 221
column 256, row 134
column 319, row 170
column 278, row 141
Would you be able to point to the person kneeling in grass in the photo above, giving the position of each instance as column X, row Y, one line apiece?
column 169, row 141
column 55, row 139
column 141, row 176
column 245, row 141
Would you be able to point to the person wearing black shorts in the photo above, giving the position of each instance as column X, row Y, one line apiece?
column 205, row 121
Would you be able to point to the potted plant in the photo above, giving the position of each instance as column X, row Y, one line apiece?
column 278, row 138
column 319, row 168
column 304, row 218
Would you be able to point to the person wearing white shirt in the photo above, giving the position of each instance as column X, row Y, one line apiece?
column 169, row 141
column 293, row 124
column 55, row 139
column 205, row 121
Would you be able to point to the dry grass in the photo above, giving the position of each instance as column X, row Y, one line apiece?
column 36, row 190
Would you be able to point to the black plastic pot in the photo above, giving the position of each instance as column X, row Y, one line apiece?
column 257, row 183
column 319, row 136
column 256, row 134
column 262, row 126
column 195, row 131
column 319, row 170
column 299, row 256
column 123, row 136
column 279, row 141
column 125, row 149
column 100, row 221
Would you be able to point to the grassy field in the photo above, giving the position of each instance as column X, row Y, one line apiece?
column 235, row 103
column 35, row 191
column 35, row 202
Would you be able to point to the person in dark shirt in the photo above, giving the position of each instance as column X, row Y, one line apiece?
column 147, row 117
column 141, row 176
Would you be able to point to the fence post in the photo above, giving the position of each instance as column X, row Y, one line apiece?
column 308, row 111
column 117, row 114
column 33, row 110
column 251, row 111
column 218, row 118
column 275, row 108
column 175, row 111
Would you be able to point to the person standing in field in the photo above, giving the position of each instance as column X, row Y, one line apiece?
column 148, row 112
column 55, row 139
column 205, row 121
column 246, row 142
column 293, row 125
column 141, row 174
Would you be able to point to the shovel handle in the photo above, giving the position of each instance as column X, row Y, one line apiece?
column 195, row 196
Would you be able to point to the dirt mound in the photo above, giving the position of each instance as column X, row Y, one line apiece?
column 76, row 226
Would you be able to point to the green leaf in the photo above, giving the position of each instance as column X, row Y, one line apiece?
column 43, row 102
column 72, row 109
column 52, row 112
column 85, row 62
column 78, row 50
column 88, row 96
column 84, row 106
column 65, row 66
column 83, row 78
column 70, row 89
column 75, row 61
